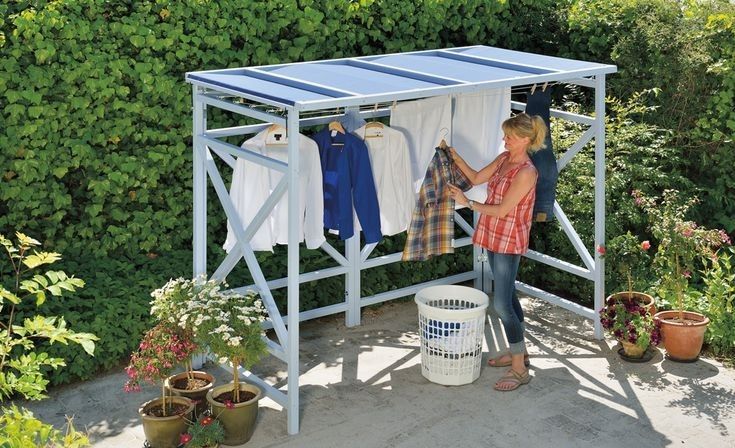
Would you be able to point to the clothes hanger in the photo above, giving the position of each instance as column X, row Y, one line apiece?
column 276, row 135
column 543, row 89
column 533, row 88
column 375, row 124
column 443, row 142
column 336, row 126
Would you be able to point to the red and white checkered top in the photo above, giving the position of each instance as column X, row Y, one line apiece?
column 509, row 234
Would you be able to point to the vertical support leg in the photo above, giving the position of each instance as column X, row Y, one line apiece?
column 352, row 280
column 477, row 264
column 200, row 186
column 599, row 198
column 481, row 266
column 293, row 271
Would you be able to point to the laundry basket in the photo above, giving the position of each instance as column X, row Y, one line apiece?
column 451, row 327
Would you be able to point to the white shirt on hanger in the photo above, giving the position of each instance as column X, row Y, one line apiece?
column 253, row 183
column 472, row 123
column 423, row 123
column 476, row 130
column 391, row 166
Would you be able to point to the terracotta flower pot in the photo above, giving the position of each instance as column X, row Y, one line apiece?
column 164, row 432
column 646, row 300
column 238, row 420
column 682, row 340
column 198, row 396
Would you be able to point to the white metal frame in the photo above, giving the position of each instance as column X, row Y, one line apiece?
column 355, row 259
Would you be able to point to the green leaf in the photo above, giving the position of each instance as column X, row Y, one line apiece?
column 40, row 258
column 9, row 296
column 40, row 298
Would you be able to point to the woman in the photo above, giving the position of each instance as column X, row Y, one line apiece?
column 503, row 229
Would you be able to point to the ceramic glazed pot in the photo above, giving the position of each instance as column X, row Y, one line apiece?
column 682, row 340
column 632, row 350
column 198, row 396
column 239, row 421
column 164, row 432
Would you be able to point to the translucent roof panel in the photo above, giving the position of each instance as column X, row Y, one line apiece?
column 402, row 76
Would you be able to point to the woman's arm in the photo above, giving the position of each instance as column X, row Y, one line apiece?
column 521, row 185
column 475, row 177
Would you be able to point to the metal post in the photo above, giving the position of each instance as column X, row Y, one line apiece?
column 199, row 186
column 293, row 271
column 352, row 280
column 599, row 273
column 352, row 277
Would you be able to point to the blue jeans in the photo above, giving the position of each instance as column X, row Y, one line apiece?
column 505, row 299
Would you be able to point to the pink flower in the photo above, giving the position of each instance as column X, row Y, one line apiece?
column 184, row 439
column 687, row 232
column 229, row 404
column 725, row 238
column 601, row 249
column 645, row 245
column 207, row 420
column 687, row 274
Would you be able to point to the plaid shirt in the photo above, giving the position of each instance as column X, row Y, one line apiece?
column 509, row 234
column 432, row 222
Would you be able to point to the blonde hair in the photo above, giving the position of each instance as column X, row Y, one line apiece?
column 524, row 125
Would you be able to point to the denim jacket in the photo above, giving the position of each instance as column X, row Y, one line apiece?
column 539, row 103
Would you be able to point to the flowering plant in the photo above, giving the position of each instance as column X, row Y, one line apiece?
column 206, row 432
column 167, row 304
column 161, row 349
column 628, row 257
column 683, row 245
column 227, row 322
column 630, row 321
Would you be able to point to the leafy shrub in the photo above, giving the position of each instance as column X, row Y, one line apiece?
column 719, row 296
column 22, row 363
column 20, row 429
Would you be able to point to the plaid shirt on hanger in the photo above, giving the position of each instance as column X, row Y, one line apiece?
column 432, row 222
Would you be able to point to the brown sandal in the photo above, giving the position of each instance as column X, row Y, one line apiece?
column 496, row 362
column 513, row 378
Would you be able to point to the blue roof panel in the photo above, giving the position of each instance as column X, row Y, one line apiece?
column 531, row 59
column 256, row 87
column 351, row 81
column 459, row 70
column 342, row 76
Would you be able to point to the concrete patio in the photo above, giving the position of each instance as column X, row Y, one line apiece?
column 362, row 387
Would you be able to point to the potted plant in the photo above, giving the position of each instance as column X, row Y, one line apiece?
column 160, row 350
column 206, row 432
column 229, row 324
column 683, row 249
column 628, row 259
column 631, row 323
column 169, row 305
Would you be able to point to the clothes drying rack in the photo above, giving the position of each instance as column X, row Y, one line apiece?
column 307, row 94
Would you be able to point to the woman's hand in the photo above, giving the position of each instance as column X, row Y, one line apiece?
column 455, row 156
column 458, row 195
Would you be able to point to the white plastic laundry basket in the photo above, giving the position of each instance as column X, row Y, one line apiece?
column 451, row 327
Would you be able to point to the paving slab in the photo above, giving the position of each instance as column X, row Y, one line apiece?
column 362, row 387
